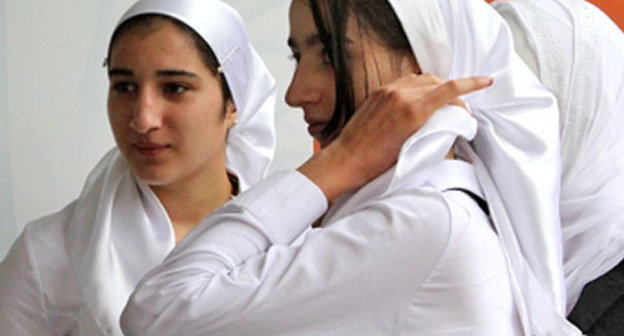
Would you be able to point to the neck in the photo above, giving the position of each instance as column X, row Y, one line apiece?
column 188, row 202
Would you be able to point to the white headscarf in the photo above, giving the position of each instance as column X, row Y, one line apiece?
column 119, row 229
column 252, row 142
column 578, row 53
column 517, row 147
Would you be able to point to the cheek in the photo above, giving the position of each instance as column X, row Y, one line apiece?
column 116, row 118
column 364, row 74
column 328, row 87
column 207, row 126
column 359, row 87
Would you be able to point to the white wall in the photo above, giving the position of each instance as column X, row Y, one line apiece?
column 53, row 124
column 8, row 228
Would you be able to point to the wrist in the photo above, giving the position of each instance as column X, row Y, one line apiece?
column 333, row 169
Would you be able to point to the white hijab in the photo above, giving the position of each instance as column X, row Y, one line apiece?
column 578, row 53
column 119, row 229
column 516, row 122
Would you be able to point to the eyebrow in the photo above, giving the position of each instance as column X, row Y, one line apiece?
column 309, row 41
column 119, row 72
column 174, row 73
column 160, row 73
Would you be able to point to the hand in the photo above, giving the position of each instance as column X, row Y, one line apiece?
column 371, row 141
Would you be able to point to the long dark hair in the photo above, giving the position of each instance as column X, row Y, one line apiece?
column 377, row 19
column 207, row 55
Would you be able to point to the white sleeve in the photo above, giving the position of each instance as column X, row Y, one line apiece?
column 22, row 307
column 234, row 275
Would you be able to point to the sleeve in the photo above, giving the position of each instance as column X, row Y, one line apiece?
column 235, row 275
column 22, row 308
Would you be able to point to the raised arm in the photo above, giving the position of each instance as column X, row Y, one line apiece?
column 370, row 142
column 235, row 275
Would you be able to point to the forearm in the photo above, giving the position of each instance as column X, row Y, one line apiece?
column 187, row 291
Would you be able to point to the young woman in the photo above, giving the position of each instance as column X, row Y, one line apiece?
column 405, row 247
column 191, row 109
column 577, row 53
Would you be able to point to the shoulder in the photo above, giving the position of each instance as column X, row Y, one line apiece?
column 421, row 205
column 45, row 237
column 473, row 253
column 41, row 236
column 36, row 278
column 413, row 220
column 452, row 219
column 39, row 258
column 469, row 279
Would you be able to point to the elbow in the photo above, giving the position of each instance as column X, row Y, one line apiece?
column 139, row 319
column 149, row 313
column 133, row 320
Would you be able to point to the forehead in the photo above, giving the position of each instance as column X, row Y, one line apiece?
column 303, row 30
column 154, row 37
column 301, row 20
column 141, row 27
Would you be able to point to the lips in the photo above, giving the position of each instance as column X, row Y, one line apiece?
column 316, row 129
column 149, row 149
column 315, row 125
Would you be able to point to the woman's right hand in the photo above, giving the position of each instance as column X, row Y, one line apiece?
column 371, row 141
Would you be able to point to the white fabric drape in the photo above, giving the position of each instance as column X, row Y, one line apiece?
column 578, row 54
column 517, row 145
column 111, row 208
column 518, row 165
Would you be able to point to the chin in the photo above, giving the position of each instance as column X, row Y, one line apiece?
column 151, row 175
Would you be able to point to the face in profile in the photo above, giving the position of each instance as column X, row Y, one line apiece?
column 313, row 86
column 166, row 106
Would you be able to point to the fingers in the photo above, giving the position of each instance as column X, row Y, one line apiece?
column 451, row 90
column 416, row 80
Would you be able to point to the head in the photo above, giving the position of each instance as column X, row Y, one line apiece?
column 169, row 107
column 344, row 49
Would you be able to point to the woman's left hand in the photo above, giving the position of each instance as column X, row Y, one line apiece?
column 371, row 141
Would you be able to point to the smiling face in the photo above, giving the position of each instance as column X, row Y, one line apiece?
column 313, row 87
column 166, row 106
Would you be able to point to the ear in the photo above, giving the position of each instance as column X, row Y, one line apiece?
column 231, row 114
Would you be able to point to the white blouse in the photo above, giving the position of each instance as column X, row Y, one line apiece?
column 39, row 292
column 419, row 262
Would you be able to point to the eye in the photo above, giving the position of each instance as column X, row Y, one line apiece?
column 175, row 88
column 123, row 87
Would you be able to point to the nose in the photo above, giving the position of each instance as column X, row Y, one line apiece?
column 303, row 90
column 146, row 115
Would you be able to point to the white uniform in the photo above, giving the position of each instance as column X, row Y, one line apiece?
column 418, row 262
column 517, row 162
column 71, row 273
column 578, row 53
column 53, row 283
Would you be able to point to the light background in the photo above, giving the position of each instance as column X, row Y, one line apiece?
column 53, row 123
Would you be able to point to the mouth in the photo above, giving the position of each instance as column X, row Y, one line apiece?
column 150, row 149
column 316, row 129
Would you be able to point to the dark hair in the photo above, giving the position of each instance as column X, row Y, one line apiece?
column 205, row 52
column 377, row 19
